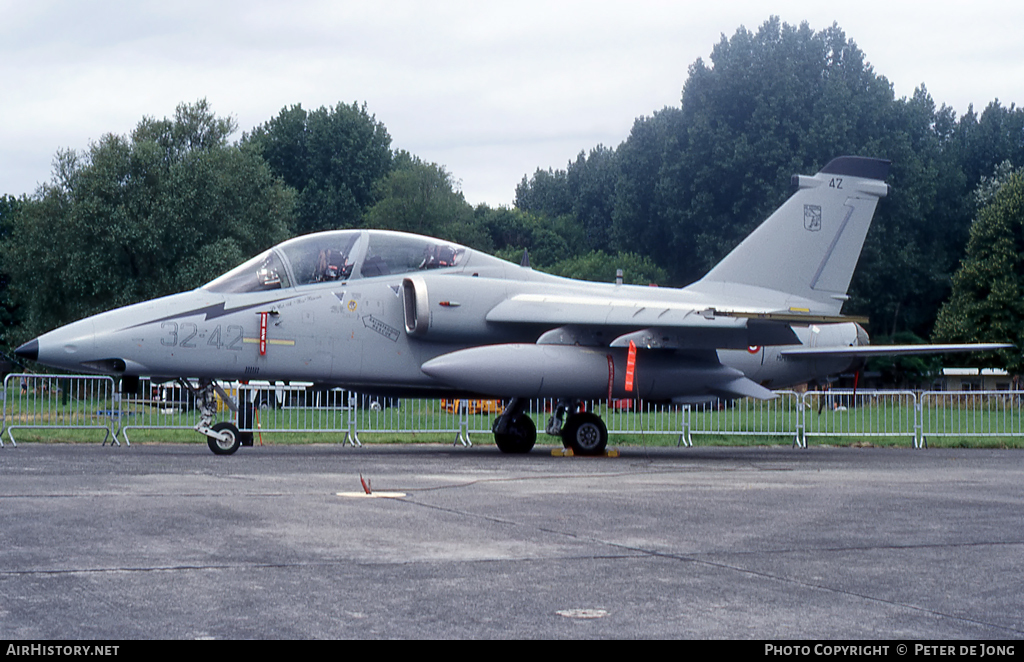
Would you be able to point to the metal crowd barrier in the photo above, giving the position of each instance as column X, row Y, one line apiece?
column 971, row 414
column 845, row 413
column 91, row 402
column 166, row 406
column 295, row 408
column 781, row 417
column 54, row 401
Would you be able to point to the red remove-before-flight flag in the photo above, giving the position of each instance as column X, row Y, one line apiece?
column 630, row 365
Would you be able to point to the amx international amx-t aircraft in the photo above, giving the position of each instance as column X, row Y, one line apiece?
column 401, row 314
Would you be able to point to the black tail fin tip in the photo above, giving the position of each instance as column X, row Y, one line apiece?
column 858, row 166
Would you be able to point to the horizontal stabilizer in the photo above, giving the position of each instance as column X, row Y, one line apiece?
column 889, row 350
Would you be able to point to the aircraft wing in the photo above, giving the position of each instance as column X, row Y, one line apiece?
column 591, row 310
column 614, row 321
column 889, row 350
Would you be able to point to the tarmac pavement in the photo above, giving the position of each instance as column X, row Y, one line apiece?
column 172, row 542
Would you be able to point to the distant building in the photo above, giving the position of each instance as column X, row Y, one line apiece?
column 952, row 379
column 974, row 379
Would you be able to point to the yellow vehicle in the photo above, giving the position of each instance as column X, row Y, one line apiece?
column 473, row 406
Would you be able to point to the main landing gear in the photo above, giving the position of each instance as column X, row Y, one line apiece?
column 584, row 432
column 514, row 431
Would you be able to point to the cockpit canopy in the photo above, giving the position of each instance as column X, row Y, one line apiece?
column 336, row 256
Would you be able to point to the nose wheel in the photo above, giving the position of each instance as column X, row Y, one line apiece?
column 227, row 441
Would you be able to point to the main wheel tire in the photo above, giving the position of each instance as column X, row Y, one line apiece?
column 519, row 437
column 226, row 447
column 585, row 433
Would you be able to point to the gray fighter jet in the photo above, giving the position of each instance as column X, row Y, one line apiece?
column 406, row 315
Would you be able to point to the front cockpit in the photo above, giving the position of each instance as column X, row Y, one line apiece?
column 340, row 255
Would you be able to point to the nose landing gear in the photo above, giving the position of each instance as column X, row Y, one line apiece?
column 222, row 438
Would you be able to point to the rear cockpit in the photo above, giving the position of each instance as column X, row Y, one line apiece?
column 339, row 256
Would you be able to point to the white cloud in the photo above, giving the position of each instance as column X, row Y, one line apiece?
column 490, row 90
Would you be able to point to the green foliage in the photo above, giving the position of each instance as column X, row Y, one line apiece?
column 135, row 218
column 512, row 231
column 987, row 304
column 9, row 210
column 545, row 193
column 423, row 198
column 333, row 157
column 988, row 187
column 690, row 182
column 601, row 267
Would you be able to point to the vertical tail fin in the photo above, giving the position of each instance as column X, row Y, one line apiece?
column 810, row 246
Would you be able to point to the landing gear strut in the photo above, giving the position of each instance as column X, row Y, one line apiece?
column 514, row 431
column 223, row 438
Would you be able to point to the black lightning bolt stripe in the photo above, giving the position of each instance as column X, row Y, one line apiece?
column 211, row 312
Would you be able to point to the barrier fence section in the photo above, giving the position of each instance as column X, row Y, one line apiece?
column 971, row 414
column 845, row 413
column 375, row 415
column 93, row 402
column 56, row 401
column 780, row 417
column 164, row 406
column 299, row 409
column 292, row 408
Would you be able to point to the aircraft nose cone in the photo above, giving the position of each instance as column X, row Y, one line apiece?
column 29, row 350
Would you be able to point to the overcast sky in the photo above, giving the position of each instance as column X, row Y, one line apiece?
column 490, row 89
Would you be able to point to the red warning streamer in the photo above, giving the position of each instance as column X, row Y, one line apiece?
column 263, row 334
column 630, row 365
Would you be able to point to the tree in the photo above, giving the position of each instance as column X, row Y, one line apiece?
column 689, row 183
column 987, row 304
column 601, row 267
column 422, row 197
column 779, row 101
column 135, row 218
column 640, row 216
column 333, row 157
column 546, row 193
column 9, row 209
column 548, row 240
